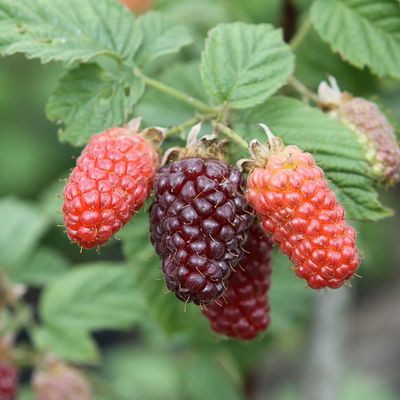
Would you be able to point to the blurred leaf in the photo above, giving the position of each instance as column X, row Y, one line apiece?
column 77, row 30
column 366, row 33
column 93, row 297
column 335, row 148
column 90, row 99
column 315, row 61
column 255, row 10
column 22, row 226
column 162, row 110
column 27, row 148
column 161, row 35
column 51, row 200
column 68, row 344
column 26, row 393
column 171, row 314
column 356, row 386
column 244, row 64
column 288, row 297
column 142, row 374
column 43, row 267
column 204, row 378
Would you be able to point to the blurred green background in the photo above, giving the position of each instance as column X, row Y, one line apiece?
column 361, row 353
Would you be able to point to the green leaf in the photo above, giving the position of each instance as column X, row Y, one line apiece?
column 364, row 32
column 50, row 199
column 92, row 297
column 161, row 36
column 204, row 378
column 315, row 61
column 22, row 226
column 286, row 309
column 43, row 267
column 90, row 99
column 76, row 30
column 26, row 393
column 171, row 314
column 153, row 375
column 158, row 109
column 245, row 64
column 70, row 345
column 335, row 148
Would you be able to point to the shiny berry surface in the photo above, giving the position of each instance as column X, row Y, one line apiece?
column 243, row 311
column 111, row 181
column 8, row 382
column 300, row 211
column 199, row 223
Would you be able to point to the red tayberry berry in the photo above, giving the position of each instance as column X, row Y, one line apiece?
column 199, row 223
column 8, row 381
column 297, row 207
column 243, row 311
column 373, row 130
column 59, row 381
column 112, row 179
column 138, row 6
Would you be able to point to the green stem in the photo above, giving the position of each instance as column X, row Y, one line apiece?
column 162, row 87
column 303, row 90
column 180, row 128
column 230, row 134
column 301, row 33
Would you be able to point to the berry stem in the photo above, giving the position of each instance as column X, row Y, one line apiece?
column 301, row 33
column 303, row 90
column 176, row 130
column 162, row 87
column 231, row 134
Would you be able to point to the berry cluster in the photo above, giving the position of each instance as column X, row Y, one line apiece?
column 202, row 222
column 243, row 311
column 199, row 223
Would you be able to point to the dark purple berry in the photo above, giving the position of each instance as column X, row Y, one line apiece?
column 199, row 223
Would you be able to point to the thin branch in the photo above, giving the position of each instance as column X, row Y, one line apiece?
column 301, row 34
column 162, row 87
column 231, row 134
column 176, row 130
column 303, row 90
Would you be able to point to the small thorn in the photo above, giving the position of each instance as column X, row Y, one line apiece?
column 200, row 272
column 217, row 303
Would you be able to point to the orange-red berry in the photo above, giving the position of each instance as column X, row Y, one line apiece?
column 301, row 212
column 112, row 179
